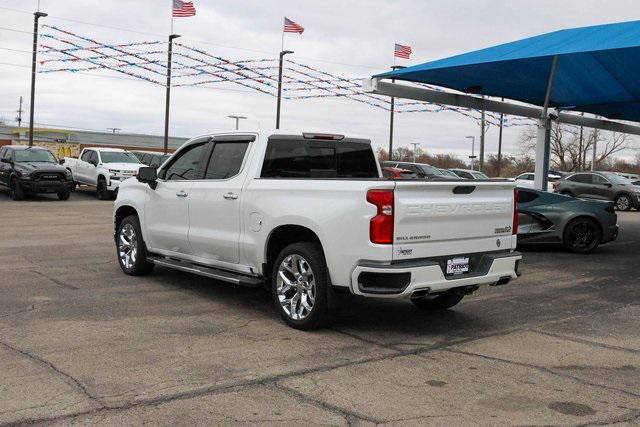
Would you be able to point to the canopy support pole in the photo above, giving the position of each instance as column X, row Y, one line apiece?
column 543, row 142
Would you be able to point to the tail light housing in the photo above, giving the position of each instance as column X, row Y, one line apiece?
column 555, row 185
column 381, row 226
column 516, row 220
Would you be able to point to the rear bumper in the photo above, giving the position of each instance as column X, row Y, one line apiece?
column 426, row 276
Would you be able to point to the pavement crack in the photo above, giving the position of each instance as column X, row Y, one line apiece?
column 30, row 308
column 350, row 416
column 56, row 281
column 544, row 369
column 584, row 341
column 69, row 379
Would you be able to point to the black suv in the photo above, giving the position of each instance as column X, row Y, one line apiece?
column 31, row 170
column 600, row 185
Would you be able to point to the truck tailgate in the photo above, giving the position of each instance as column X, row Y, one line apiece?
column 434, row 218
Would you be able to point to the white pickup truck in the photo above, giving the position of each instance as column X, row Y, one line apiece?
column 309, row 215
column 103, row 168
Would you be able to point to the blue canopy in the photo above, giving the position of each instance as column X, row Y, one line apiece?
column 598, row 70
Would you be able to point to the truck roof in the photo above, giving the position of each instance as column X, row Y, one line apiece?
column 104, row 149
column 284, row 132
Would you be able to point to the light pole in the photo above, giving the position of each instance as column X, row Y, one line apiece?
column 168, row 96
column 415, row 148
column 282, row 54
column 473, row 149
column 36, row 17
column 393, row 103
column 237, row 119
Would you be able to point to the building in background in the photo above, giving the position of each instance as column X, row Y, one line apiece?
column 69, row 142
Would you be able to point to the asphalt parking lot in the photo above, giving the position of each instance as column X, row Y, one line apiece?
column 82, row 343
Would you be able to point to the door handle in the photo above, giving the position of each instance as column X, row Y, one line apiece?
column 181, row 193
column 230, row 196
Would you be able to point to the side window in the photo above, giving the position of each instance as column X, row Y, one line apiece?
column 581, row 178
column 86, row 155
column 226, row 160
column 529, row 177
column 185, row 164
column 94, row 157
column 598, row 179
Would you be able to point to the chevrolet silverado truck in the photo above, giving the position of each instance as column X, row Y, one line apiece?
column 310, row 216
column 32, row 170
column 102, row 168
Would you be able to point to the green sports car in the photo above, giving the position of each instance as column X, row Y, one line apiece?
column 580, row 225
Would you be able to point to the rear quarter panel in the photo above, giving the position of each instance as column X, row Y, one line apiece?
column 335, row 210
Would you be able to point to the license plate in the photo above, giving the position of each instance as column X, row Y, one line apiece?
column 458, row 265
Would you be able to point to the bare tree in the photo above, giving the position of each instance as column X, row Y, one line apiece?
column 566, row 154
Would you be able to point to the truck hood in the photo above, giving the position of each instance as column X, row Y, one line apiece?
column 28, row 167
column 123, row 166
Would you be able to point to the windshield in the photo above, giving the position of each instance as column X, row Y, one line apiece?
column 430, row 170
column 616, row 179
column 42, row 156
column 118, row 157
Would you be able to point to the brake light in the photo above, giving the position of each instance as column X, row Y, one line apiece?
column 381, row 226
column 323, row 136
column 516, row 220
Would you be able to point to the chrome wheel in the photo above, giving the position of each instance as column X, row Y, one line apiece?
column 127, row 246
column 623, row 203
column 296, row 287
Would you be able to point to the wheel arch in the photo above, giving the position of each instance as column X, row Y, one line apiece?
column 282, row 236
column 121, row 213
column 583, row 216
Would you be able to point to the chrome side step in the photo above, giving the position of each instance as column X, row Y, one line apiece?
column 214, row 273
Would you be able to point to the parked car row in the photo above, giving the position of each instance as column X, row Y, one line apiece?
column 423, row 170
column 608, row 186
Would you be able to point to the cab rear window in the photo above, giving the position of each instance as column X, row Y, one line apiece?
column 300, row 158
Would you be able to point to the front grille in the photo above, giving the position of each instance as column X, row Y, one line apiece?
column 48, row 176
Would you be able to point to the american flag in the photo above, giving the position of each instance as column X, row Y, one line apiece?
column 183, row 9
column 292, row 27
column 402, row 51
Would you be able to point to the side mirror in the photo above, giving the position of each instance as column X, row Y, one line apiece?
column 5, row 160
column 93, row 162
column 61, row 161
column 148, row 175
column 608, row 185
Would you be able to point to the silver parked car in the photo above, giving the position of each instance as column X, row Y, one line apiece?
column 601, row 186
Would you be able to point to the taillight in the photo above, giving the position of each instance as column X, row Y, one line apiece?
column 555, row 185
column 381, row 226
column 516, row 220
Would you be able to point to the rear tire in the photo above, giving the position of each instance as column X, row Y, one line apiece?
column 131, row 249
column 582, row 236
column 623, row 202
column 300, row 286
column 64, row 195
column 15, row 190
column 440, row 302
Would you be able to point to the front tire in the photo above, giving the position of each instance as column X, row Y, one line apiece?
column 131, row 249
column 582, row 235
column 15, row 190
column 443, row 301
column 101, row 190
column 623, row 202
column 300, row 286
column 64, row 195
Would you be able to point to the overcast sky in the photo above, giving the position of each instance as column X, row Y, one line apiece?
column 351, row 38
